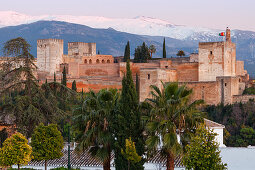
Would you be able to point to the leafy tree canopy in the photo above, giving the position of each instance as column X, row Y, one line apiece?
column 15, row 151
column 47, row 142
column 203, row 151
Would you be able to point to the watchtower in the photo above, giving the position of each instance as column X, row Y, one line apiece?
column 49, row 54
column 217, row 59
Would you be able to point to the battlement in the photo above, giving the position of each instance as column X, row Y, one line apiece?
column 50, row 40
column 79, row 43
column 81, row 49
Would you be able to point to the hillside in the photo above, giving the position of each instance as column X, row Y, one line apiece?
column 110, row 41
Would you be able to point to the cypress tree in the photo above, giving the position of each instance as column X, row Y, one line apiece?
column 74, row 86
column 128, row 123
column 46, row 81
column 164, row 48
column 127, row 52
column 137, row 85
column 54, row 77
column 64, row 76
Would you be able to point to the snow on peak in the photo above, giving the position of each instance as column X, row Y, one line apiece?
column 139, row 25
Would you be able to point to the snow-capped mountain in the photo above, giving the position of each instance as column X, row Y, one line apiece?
column 139, row 25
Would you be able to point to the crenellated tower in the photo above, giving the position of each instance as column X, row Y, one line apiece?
column 49, row 54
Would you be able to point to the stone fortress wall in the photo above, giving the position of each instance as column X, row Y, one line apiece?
column 213, row 73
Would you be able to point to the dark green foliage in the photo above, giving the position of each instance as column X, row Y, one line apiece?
column 127, row 52
column 152, row 50
column 239, row 120
column 180, row 53
column 142, row 54
column 250, row 90
column 164, row 48
column 3, row 136
column 64, row 76
column 171, row 113
column 128, row 123
column 137, row 84
column 24, row 101
column 54, row 77
column 74, row 86
column 93, row 122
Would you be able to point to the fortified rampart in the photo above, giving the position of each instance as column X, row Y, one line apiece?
column 214, row 74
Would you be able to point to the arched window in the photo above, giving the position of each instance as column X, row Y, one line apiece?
column 90, row 61
column 103, row 61
column 85, row 61
column 97, row 61
column 108, row 61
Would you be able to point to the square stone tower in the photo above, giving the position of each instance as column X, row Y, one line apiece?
column 81, row 49
column 49, row 54
column 217, row 59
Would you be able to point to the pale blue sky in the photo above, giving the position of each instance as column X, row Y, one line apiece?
column 238, row 14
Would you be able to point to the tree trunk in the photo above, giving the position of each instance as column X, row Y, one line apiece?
column 170, row 161
column 107, row 164
column 45, row 165
column 18, row 166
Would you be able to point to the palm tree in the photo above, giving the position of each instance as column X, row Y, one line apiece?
column 171, row 115
column 180, row 53
column 152, row 49
column 92, row 121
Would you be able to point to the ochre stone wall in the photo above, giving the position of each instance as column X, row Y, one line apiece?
column 243, row 98
column 187, row 72
column 240, row 68
column 81, row 49
column 110, row 69
column 208, row 91
column 154, row 76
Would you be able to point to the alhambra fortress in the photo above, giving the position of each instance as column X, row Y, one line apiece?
column 214, row 74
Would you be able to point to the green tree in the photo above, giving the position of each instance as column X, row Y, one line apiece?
column 18, row 68
column 93, row 122
column 203, row 151
column 152, row 50
column 128, row 123
column 15, row 151
column 25, row 102
column 130, row 152
column 172, row 114
column 64, row 80
column 164, row 48
column 74, row 86
column 47, row 143
column 137, row 85
column 180, row 53
column 142, row 54
column 127, row 52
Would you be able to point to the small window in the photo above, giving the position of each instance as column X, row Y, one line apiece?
column 239, row 80
column 149, row 76
column 166, row 66
column 85, row 61
column 211, row 52
column 225, row 84
column 97, row 61
column 103, row 61
column 108, row 61
column 90, row 61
